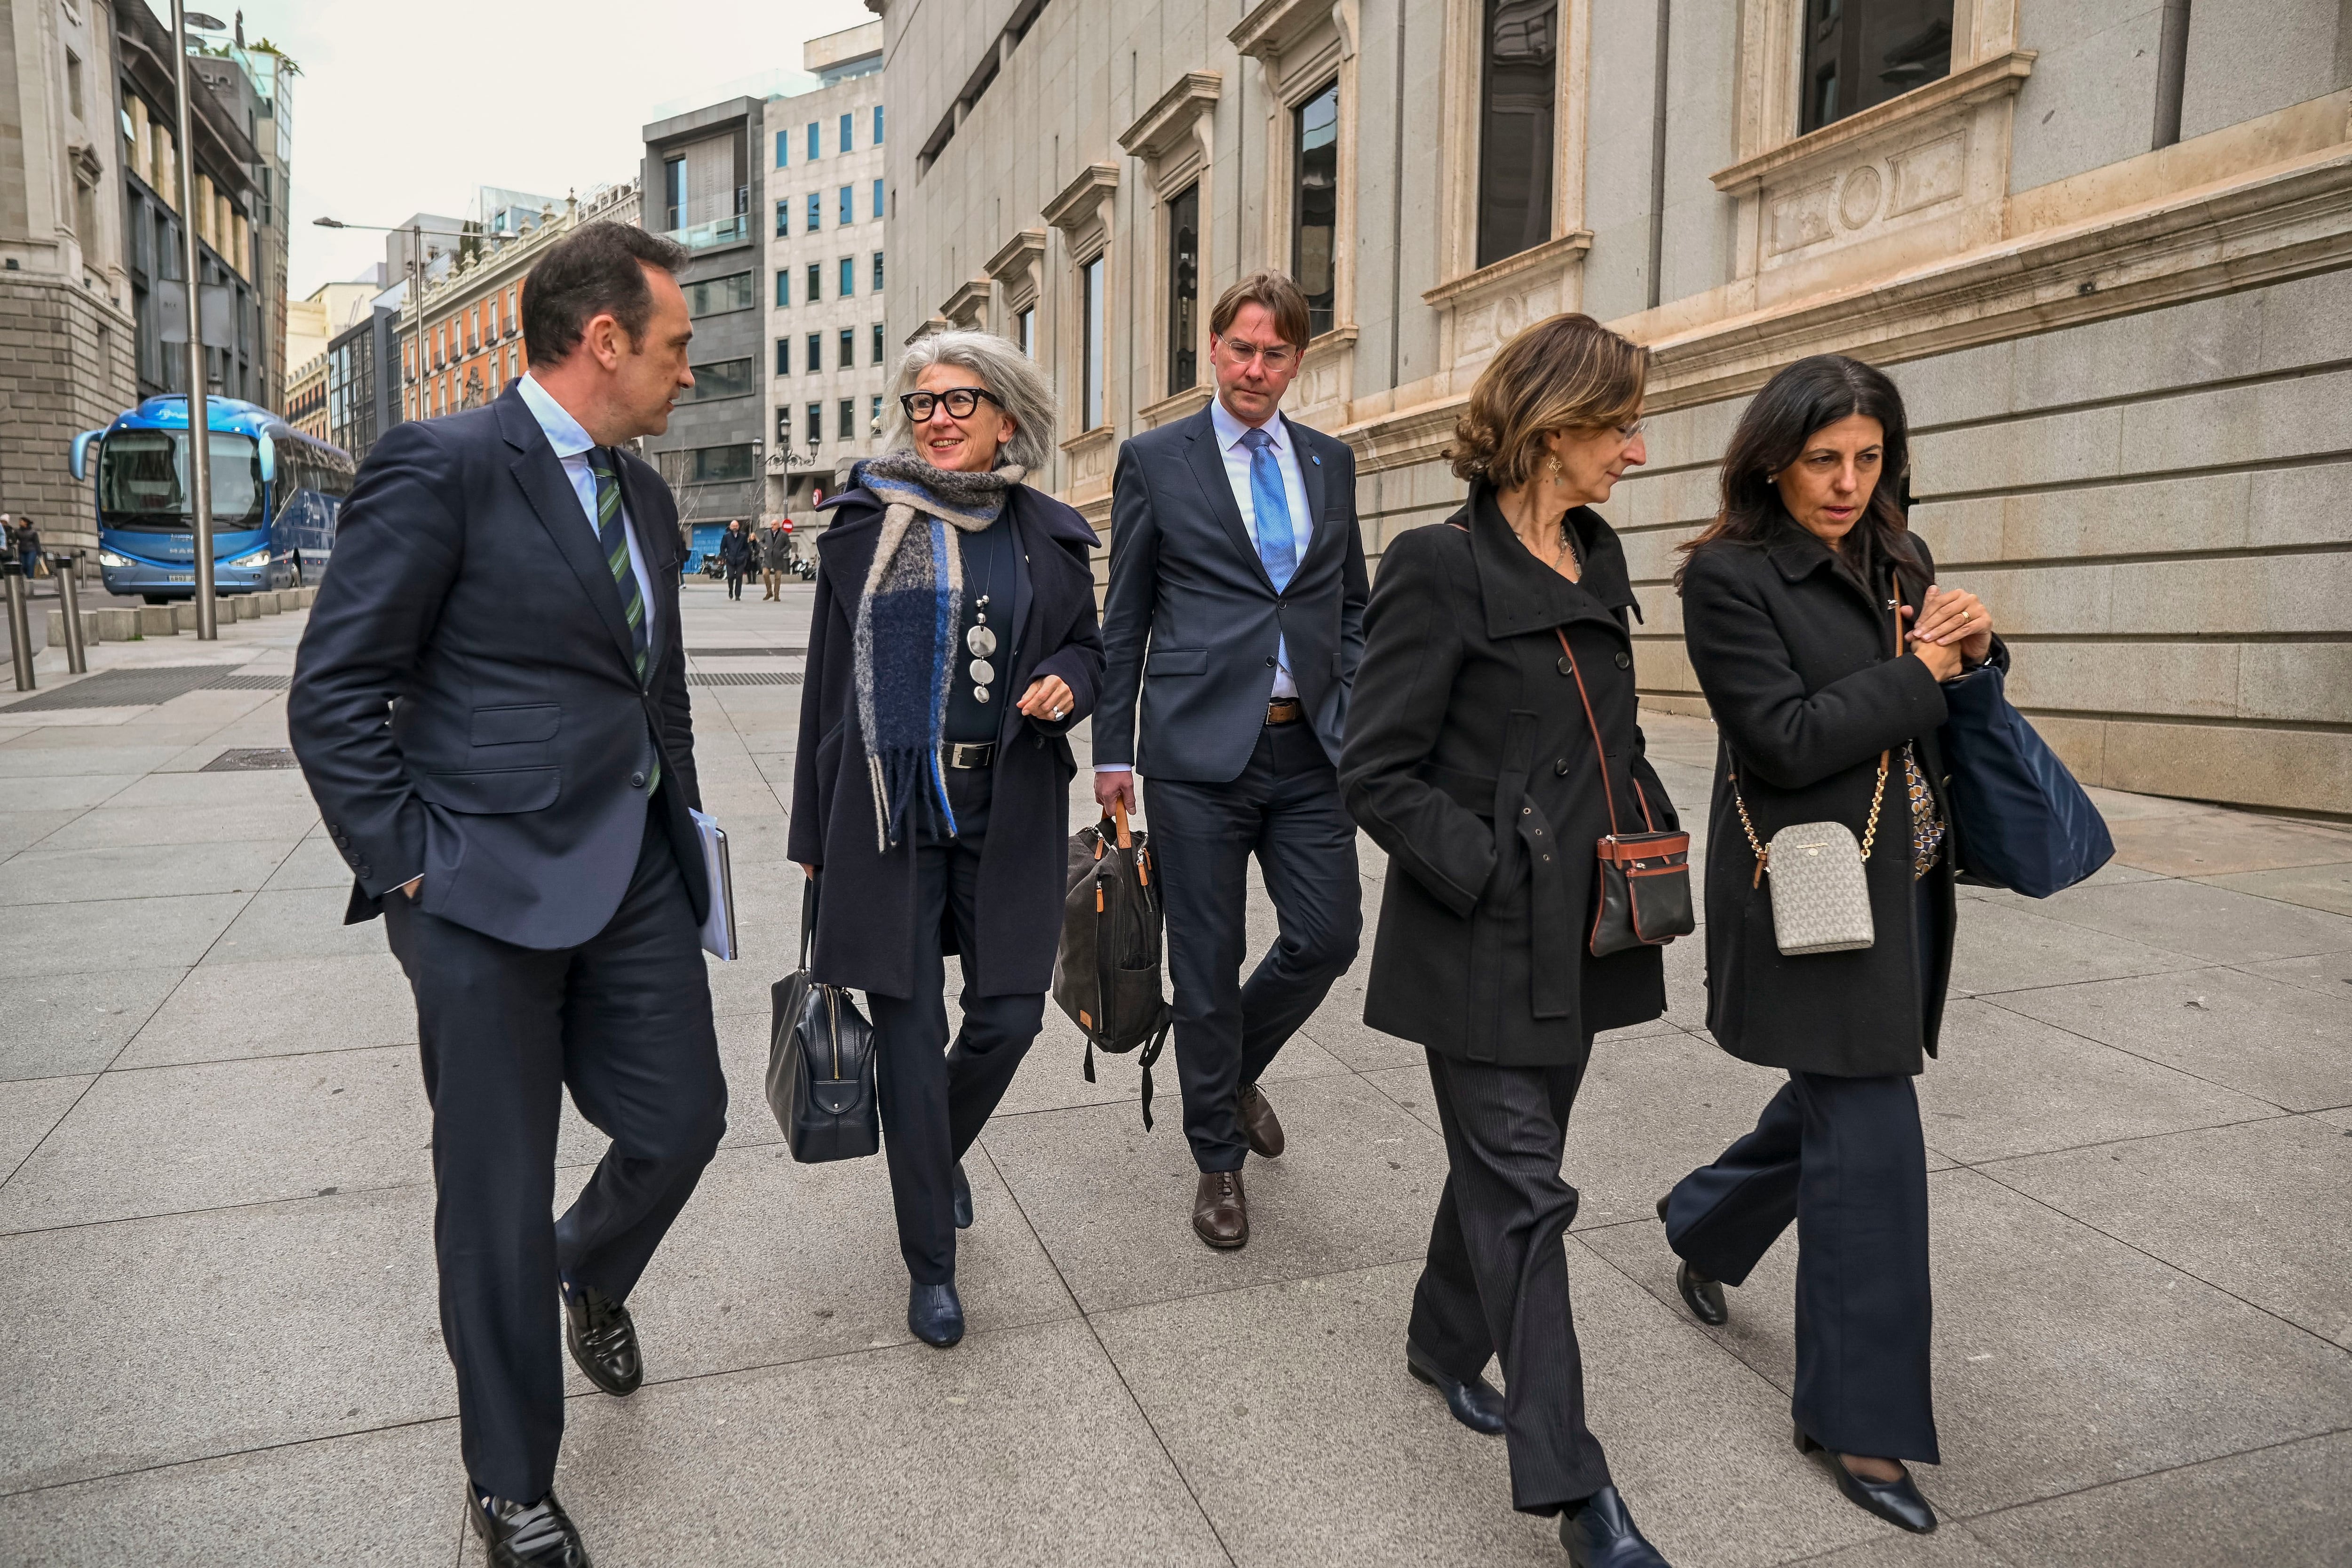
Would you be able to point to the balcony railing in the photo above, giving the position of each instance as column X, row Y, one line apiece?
column 732, row 230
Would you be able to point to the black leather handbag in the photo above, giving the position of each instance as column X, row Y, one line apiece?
column 821, row 1063
column 1106, row 971
column 1645, row 892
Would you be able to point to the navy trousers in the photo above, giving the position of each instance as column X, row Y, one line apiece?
column 1845, row 1158
column 624, row 1022
column 937, row 1098
column 1285, row 809
column 1496, row 1279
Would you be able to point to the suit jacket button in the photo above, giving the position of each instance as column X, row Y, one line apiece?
column 1560, row 767
column 1624, row 659
column 1567, row 664
column 1269, row 664
column 637, row 781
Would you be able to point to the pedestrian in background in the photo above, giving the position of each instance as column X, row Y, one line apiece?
column 1235, row 557
column 28, row 548
column 775, row 554
column 735, row 556
column 1821, row 639
column 1493, row 727
column 522, row 822
column 929, row 802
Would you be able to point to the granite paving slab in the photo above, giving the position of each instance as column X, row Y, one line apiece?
column 75, row 1022
column 1020, row 1446
column 2328, row 888
column 2215, row 842
column 388, row 1497
column 285, row 1322
column 2005, row 1085
column 112, row 934
column 2251, row 1029
column 1113, row 1203
column 298, row 923
column 2262, row 1210
column 285, row 822
column 170, row 1139
column 2213, row 923
column 136, row 872
column 1999, row 947
column 21, row 829
column 29, row 1109
column 286, row 1006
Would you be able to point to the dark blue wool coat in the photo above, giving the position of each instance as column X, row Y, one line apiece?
column 865, row 936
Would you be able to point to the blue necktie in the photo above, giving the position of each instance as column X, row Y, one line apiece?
column 1273, row 507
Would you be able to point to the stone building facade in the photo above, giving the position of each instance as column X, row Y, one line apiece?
column 66, row 324
column 828, row 342
column 2102, row 243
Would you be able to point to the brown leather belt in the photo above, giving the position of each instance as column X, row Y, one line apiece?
column 1285, row 710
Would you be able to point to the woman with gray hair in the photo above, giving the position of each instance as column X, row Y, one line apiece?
column 953, row 647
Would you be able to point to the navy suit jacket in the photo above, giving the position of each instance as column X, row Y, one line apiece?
column 1191, row 617
column 511, row 769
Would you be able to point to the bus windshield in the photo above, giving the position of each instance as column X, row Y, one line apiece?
column 143, row 481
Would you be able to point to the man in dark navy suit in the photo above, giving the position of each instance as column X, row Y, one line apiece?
column 521, row 820
column 1234, row 552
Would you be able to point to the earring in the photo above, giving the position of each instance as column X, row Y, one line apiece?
column 1552, row 468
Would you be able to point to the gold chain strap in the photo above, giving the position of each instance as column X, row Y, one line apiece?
column 1764, row 855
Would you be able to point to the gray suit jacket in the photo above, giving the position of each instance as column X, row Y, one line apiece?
column 1186, row 580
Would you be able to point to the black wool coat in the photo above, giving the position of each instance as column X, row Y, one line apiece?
column 1799, row 665
column 865, row 921
column 1470, row 760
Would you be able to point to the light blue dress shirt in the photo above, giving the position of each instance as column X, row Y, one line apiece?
column 572, row 443
column 1236, row 456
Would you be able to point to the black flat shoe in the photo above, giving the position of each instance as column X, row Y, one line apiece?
column 1702, row 1295
column 1475, row 1403
column 603, row 1340
column 1599, row 1533
column 959, row 1191
column 526, row 1535
column 1897, row 1502
column 934, row 1314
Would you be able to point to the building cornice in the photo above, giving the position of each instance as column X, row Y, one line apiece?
column 1274, row 26
column 1076, row 204
column 1988, row 78
column 1536, row 257
column 1160, row 126
column 960, row 303
column 1015, row 253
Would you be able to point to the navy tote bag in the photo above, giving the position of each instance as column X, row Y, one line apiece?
column 2024, row 823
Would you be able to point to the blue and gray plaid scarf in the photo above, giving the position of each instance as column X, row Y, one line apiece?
column 905, row 640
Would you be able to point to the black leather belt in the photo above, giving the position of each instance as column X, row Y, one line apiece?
column 1285, row 710
column 971, row 754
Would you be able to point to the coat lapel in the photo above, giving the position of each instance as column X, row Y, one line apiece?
column 1209, row 469
column 1519, row 593
column 545, row 486
column 1311, row 472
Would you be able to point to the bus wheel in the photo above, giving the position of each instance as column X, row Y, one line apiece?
column 156, row 598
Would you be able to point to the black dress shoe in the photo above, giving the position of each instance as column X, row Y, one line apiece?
column 1599, row 1533
column 603, row 1340
column 1475, row 1403
column 526, row 1535
column 1702, row 1295
column 959, row 1191
column 1898, row 1501
column 934, row 1314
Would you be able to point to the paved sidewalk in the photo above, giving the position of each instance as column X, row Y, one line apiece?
column 215, row 1214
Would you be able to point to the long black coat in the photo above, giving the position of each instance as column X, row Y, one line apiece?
column 1799, row 665
column 1470, row 760
column 865, row 931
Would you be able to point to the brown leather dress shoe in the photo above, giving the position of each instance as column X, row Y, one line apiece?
column 1220, row 1213
column 1259, row 1124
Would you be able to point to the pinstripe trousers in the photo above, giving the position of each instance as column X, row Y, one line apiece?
column 1496, row 1279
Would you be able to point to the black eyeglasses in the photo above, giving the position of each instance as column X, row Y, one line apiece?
column 962, row 401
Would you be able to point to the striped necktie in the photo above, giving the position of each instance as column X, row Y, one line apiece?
column 613, row 537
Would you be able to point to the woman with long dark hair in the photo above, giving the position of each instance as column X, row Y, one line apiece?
column 1820, row 637
column 1493, row 741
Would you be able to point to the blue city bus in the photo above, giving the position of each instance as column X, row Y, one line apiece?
column 276, row 496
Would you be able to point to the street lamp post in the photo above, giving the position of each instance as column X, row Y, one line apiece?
column 200, row 455
column 415, row 232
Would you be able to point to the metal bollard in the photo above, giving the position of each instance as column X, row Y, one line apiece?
column 76, row 660
column 20, row 626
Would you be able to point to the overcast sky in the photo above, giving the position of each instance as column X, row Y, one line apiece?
column 407, row 108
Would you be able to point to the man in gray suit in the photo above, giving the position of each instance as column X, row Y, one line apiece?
column 1234, row 552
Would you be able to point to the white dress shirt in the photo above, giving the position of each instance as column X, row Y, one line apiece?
column 1229, row 445
column 572, row 446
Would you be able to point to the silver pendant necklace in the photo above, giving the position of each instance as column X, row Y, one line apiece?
column 982, row 640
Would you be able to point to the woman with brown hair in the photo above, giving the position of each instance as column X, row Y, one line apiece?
column 1817, row 632
column 1491, row 743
